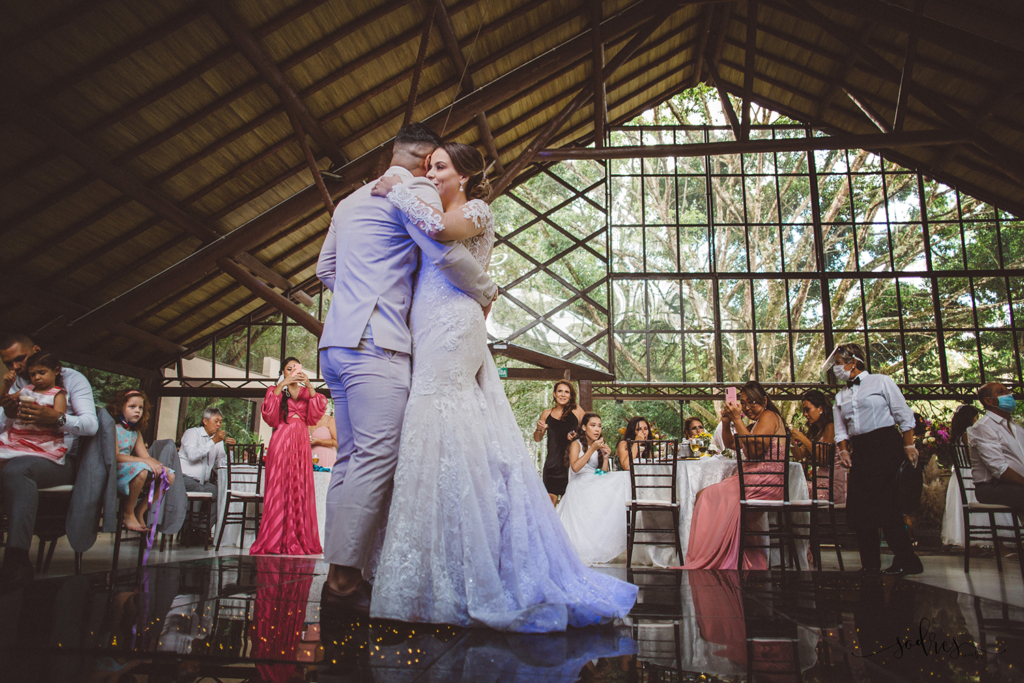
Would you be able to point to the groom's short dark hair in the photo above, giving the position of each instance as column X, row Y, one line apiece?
column 417, row 134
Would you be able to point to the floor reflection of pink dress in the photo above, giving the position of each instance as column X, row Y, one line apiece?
column 280, row 613
column 289, row 523
column 715, row 526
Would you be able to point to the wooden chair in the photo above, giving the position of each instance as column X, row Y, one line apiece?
column 769, row 454
column 822, row 502
column 244, row 469
column 51, row 524
column 199, row 512
column 647, row 476
column 121, row 530
column 982, row 532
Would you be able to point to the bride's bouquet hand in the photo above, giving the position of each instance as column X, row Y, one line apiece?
column 384, row 185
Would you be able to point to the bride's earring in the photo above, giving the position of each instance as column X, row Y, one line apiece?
column 462, row 186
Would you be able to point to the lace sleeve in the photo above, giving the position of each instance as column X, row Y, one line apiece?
column 479, row 213
column 421, row 214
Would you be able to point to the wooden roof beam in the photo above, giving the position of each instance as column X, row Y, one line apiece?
column 723, row 96
column 1003, row 95
column 838, row 77
column 597, row 73
column 748, row 71
column 417, row 71
column 253, row 51
column 451, row 43
column 869, row 111
column 871, row 141
column 260, row 289
column 907, row 76
column 703, row 35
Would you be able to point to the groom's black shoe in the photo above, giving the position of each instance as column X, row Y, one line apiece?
column 355, row 601
column 901, row 569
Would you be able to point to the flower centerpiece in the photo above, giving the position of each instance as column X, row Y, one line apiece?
column 934, row 440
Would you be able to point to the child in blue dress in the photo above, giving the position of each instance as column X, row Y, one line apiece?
column 130, row 410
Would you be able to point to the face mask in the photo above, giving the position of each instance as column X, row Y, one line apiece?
column 841, row 373
column 1007, row 403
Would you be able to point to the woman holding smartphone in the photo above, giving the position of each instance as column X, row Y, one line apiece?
column 289, row 524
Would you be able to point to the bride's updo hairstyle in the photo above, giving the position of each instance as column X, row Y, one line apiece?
column 469, row 162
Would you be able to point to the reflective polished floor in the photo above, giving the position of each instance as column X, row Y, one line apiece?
column 239, row 618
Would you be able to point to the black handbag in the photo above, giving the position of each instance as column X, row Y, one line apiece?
column 909, row 484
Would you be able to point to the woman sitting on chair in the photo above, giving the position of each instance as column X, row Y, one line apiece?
column 593, row 507
column 715, row 526
column 636, row 430
column 820, row 429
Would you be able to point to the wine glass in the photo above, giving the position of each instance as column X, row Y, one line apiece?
column 694, row 445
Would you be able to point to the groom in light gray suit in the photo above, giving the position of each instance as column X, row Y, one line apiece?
column 368, row 260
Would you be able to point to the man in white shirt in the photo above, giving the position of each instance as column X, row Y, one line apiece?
column 22, row 477
column 202, row 451
column 997, row 450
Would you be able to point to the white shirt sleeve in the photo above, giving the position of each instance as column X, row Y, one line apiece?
column 840, row 426
column 989, row 446
column 81, row 415
column 192, row 447
column 221, row 459
column 901, row 412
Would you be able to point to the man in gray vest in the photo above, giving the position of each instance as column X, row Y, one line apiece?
column 368, row 260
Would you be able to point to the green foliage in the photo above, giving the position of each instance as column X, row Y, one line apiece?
column 105, row 384
column 238, row 413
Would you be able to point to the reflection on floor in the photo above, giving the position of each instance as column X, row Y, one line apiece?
column 258, row 619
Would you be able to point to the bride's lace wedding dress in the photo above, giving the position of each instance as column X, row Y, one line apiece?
column 472, row 538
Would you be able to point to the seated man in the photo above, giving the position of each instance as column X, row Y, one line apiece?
column 202, row 450
column 997, row 450
column 22, row 477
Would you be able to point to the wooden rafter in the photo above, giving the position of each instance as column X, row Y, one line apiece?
column 707, row 14
column 872, row 141
column 249, row 46
column 907, row 77
column 417, row 71
column 838, row 76
column 723, row 96
column 597, row 72
column 281, row 303
column 750, row 50
column 869, row 111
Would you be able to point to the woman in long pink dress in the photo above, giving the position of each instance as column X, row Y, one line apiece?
column 715, row 527
column 289, row 524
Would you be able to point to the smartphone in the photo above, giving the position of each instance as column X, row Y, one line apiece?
column 730, row 395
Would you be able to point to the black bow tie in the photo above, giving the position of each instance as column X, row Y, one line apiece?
column 853, row 383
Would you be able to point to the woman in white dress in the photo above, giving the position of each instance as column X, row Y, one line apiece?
column 593, row 507
column 472, row 537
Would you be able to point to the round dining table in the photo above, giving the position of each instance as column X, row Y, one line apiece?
column 692, row 475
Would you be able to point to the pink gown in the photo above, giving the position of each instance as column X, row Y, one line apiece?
column 715, row 527
column 289, row 523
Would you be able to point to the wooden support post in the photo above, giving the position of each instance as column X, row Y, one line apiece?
column 835, row 83
column 748, row 68
column 417, row 72
column 703, row 34
column 260, row 289
column 249, row 46
column 597, row 73
column 182, row 417
column 585, row 391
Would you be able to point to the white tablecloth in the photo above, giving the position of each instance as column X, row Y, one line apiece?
column 691, row 477
column 953, row 517
column 232, row 533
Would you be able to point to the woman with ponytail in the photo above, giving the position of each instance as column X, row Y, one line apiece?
column 289, row 523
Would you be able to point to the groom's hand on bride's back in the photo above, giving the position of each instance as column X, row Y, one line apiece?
column 384, row 185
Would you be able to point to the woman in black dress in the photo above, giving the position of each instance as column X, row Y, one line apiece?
column 561, row 423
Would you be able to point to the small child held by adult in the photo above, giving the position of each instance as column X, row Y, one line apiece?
column 18, row 438
column 137, row 472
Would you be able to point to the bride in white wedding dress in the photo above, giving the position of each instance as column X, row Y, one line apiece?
column 472, row 538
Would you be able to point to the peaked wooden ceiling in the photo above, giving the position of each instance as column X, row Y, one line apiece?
column 154, row 189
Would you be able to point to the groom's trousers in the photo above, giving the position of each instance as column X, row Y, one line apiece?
column 370, row 388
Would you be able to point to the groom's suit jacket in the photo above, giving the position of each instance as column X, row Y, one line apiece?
column 368, row 261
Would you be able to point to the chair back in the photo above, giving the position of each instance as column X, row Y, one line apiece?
column 654, row 474
column 763, row 461
column 245, row 465
column 823, row 456
column 962, row 461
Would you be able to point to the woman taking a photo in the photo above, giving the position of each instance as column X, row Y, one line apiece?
column 818, row 413
column 289, row 523
column 561, row 423
column 870, row 413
